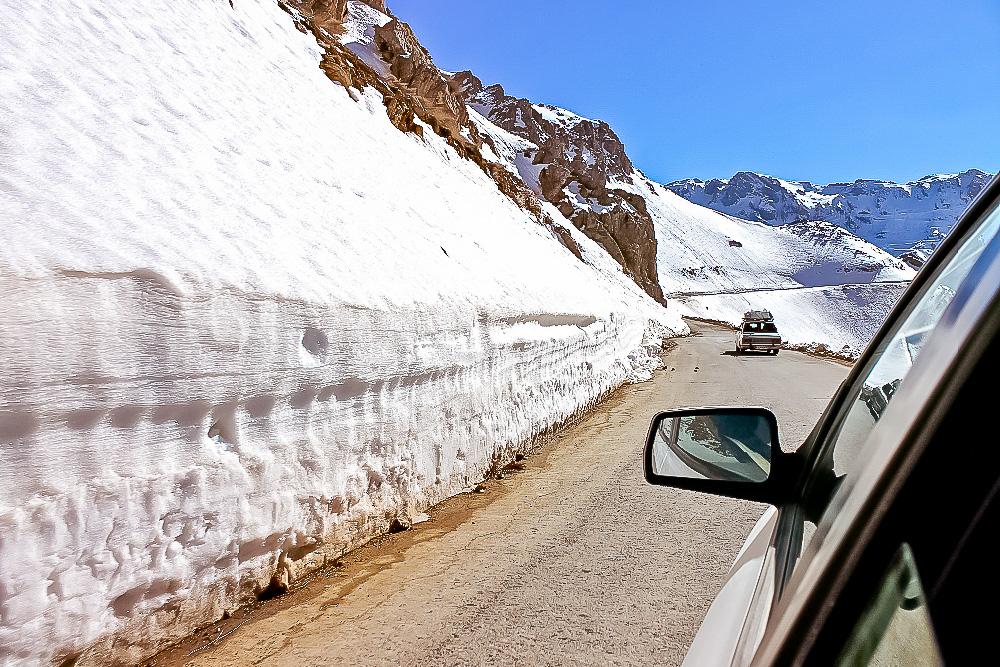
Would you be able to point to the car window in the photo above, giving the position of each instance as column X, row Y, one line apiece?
column 892, row 360
column 895, row 627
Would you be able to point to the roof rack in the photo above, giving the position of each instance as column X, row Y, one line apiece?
column 758, row 316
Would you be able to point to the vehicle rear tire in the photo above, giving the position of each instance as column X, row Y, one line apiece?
column 775, row 352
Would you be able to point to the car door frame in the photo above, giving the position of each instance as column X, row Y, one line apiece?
column 788, row 533
column 787, row 536
column 787, row 635
column 828, row 425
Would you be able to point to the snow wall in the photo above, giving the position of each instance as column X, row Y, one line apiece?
column 245, row 321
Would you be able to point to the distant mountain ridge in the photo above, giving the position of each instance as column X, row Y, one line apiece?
column 898, row 217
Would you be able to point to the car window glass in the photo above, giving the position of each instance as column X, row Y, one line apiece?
column 895, row 627
column 893, row 359
column 900, row 350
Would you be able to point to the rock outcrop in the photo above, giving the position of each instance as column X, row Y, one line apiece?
column 579, row 161
column 388, row 57
column 412, row 66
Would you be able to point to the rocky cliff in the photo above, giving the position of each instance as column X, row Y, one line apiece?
column 578, row 163
column 366, row 46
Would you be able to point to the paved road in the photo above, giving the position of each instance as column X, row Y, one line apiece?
column 572, row 561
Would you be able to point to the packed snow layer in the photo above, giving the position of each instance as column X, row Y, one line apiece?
column 246, row 320
column 839, row 320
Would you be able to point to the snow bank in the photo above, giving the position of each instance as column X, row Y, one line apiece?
column 246, row 320
column 839, row 320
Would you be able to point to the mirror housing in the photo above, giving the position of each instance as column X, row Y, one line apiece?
column 777, row 489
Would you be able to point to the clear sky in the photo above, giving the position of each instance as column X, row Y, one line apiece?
column 804, row 89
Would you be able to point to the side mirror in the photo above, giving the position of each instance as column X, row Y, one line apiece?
column 725, row 451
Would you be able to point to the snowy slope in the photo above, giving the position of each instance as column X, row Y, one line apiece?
column 828, row 289
column 834, row 320
column 359, row 33
column 511, row 151
column 701, row 251
column 246, row 320
column 581, row 166
column 893, row 216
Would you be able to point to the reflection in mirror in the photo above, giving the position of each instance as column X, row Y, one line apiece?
column 732, row 447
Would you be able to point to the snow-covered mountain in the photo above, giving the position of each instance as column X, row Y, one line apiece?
column 272, row 279
column 573, row 163
column 896, row 217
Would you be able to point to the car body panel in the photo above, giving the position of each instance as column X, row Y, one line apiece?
column 751, row 337
column 757, row 342
column 781, row 632
column 733, row 621
column 892, row 449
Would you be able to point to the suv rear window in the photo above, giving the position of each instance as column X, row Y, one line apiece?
column 760, row 327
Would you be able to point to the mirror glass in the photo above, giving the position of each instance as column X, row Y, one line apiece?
column 732, row 447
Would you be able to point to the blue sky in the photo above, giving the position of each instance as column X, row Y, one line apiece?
column 805, row 90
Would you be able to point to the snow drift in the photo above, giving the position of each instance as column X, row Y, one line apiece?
column 246, row 320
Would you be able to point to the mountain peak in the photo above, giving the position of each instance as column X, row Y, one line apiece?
column 574, row 162
column 894, row 216
column 465, row 83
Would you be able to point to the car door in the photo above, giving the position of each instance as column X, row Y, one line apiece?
column 898, row 495
column 832, row 455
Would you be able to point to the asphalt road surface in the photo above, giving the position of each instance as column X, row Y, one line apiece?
column 574, row 560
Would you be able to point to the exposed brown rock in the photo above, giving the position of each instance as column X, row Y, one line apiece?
column 413, row 67
column 323, row 14
column 324, row 18
column 415, row 90
column 581, row 155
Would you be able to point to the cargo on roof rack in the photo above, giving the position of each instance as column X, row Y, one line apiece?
column 758, row 316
